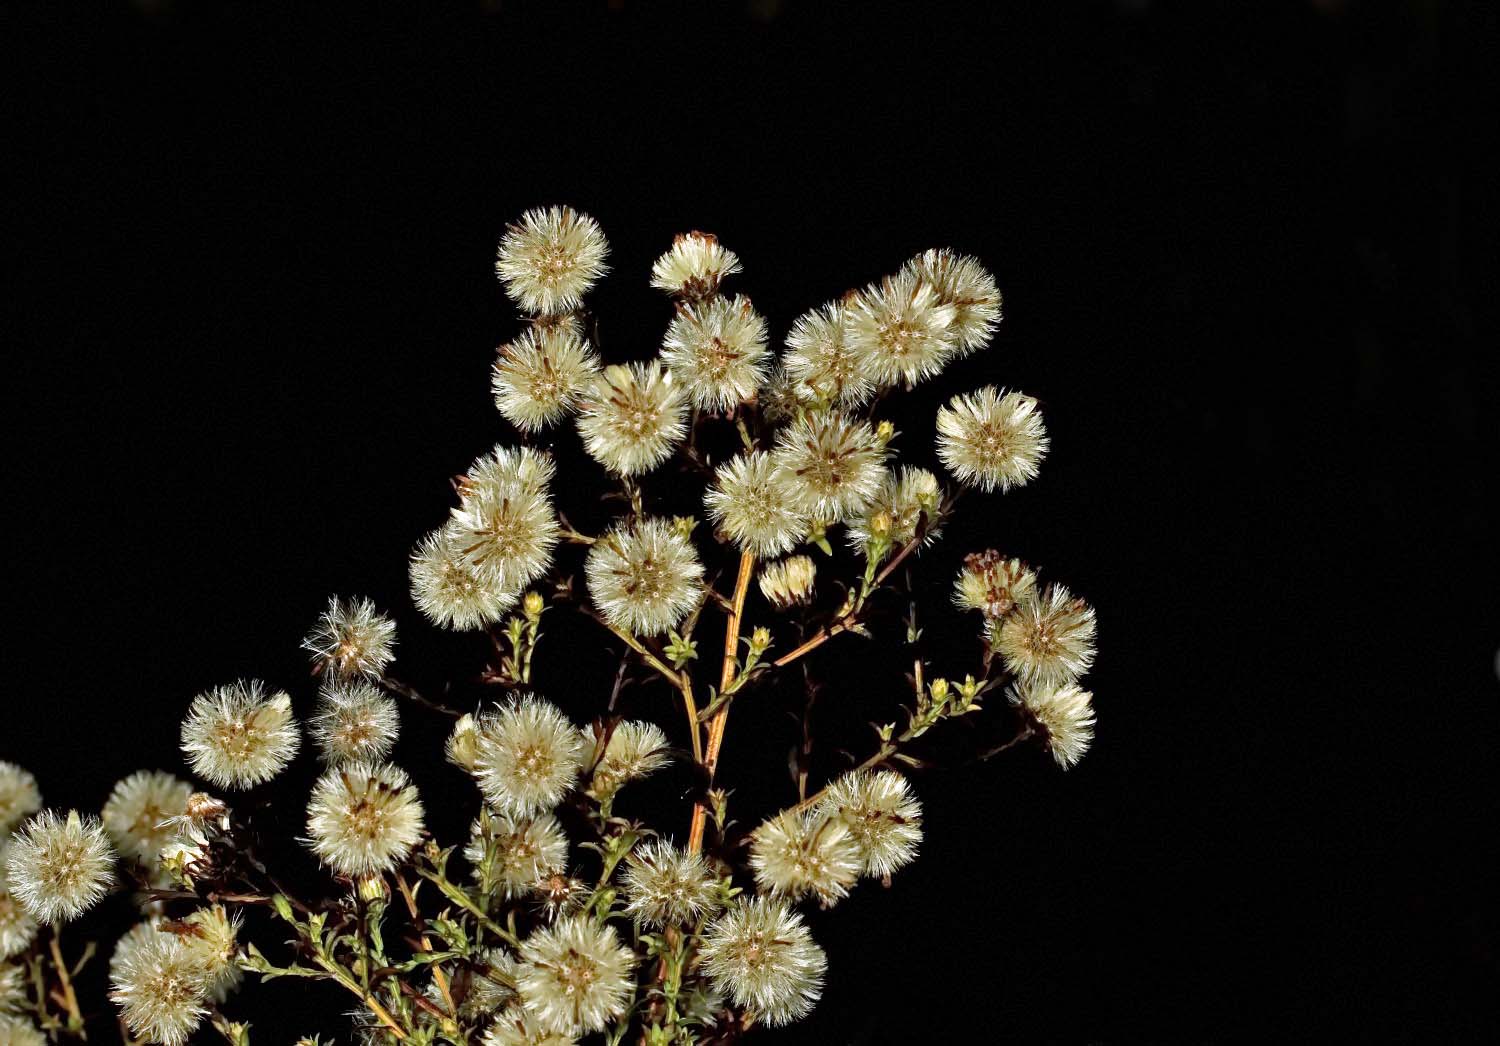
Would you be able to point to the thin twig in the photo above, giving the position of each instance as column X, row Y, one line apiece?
column 411, row 694
column 720, row 721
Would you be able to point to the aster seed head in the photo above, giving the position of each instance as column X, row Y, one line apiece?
column 750, row 503
column 550, row 259
column 636, row 749
column 831, row 466
column 575, row 977
column 351, row 639
column 963, row 283
column 364, row 818
column 789, row 582
column 59, row 867
column 823, row 360
column 1063, row 715
column 527, row 756
column 19, row 796
column 632, row 416
column 538, row 377
column 761, row 956
column 17, row 925
column 993, row 584
column 236, row 736
column 666, row 886
column 138, row 814
column 717, row 349
column 160, row 986
column 1048, row 640
column 883, row 817
column 511, row 855
column 801, row 853
column 694, row 267
column 447, row 588
column 992, row 439
column 644, row 578
column 901, row 328
column 355, row 722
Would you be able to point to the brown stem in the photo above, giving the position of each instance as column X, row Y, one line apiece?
column 720, row 721
column 680, row 680
column 852, row 618
column 70, row 998
column 410, row 693
column 426, row 945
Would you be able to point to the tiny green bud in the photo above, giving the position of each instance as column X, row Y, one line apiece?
column 533, row 605
column 684, row 525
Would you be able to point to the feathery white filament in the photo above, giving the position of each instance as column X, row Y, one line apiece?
column 644, row 579
column 237, row 737
column 550, row 258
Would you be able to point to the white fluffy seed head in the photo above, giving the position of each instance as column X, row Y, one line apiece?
column 831, row 466
column 538, row 377
column 237, row 737
column 364, row 818
column 993, row 584
column 820, row 358
column 160, row 985
column 550, row 258
column 750, row 504
column 505, row 468
column 717, row 350
column 12, row 989
column 59, row 867
column 17, row 926
column 516, row 1027
column 901, row 329
column 137, row 814
column 694, row 267
column 898, row 509
column 992, row 439
column 883, row 817
column 351, row 639
column 1064, row 716
column 1048, row 640
column 761, row 956
column 636, row 749
column 789, row 582
column 506, row 531
column 632, row 416
column 575, row 977
column 963, row 283
column 527, row 756
column 19, row 796
column 797, row 854
column 510, row 855
column 449, row 591
column 355, row 722
column 212, row 937
column 644, row 578
column 666, row 886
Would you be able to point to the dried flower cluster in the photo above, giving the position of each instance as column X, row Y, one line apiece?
column 582, row 901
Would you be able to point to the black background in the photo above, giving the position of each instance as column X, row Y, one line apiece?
column 1241, row 252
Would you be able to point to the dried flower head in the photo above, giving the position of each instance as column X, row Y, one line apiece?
column 666, row 886
column 645, row 578
column 1064, row 716
column 795, row 854
column 504, row 468
column 717, row 349
column 12, row 988
column 351, row 639
column 237, row 737
column 528, row 756
column 486, row 994
column 59, row 867
column 159, row 985
column 447, row 589
column 823, row 359
column 993, row 584
column 550, row 258
column 991, row 438
column 749, row 502
column 510, row 855
column 789, row 582
column 1049, row 639
column 506, row 530
column 884, row 818
column 901, row 329
column 19, row 796
column 965, row 284
column 636, row 749
column 212, row 937
column 694, row 267
column 898, row 509
column 631, row 416
column 831, row 466
column 364, row 818
column 516, row 1027
column 761, row 956
column 19, row 1031
column 462, row 747
column 17, row 926
column 575, row 977
column 538, row 377
column 137, row 815
column 355, row 722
